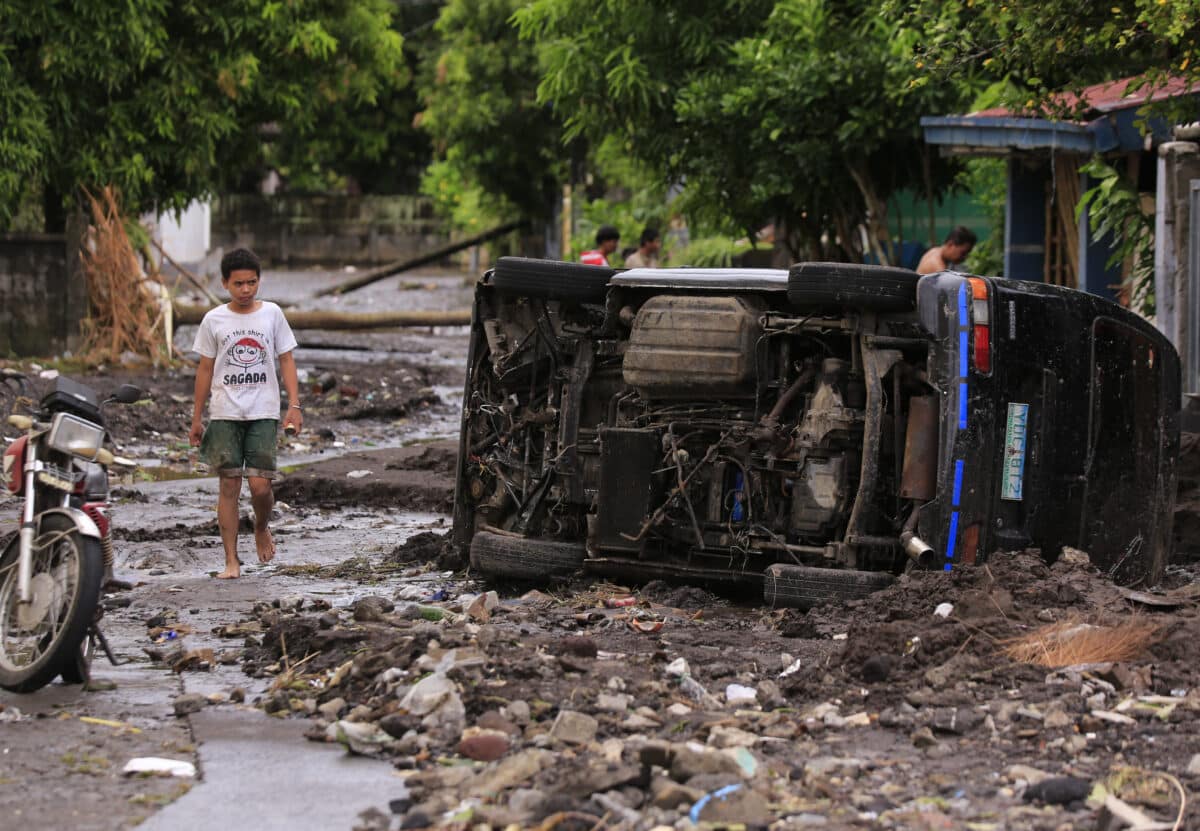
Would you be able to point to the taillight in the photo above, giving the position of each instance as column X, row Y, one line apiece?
column 980, row 326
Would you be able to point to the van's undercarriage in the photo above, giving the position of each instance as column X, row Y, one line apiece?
column 697, row 435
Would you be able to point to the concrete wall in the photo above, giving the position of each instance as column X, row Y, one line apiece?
column 327, row 230
column 43, row 295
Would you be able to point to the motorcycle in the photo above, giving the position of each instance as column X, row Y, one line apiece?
column 53, row 571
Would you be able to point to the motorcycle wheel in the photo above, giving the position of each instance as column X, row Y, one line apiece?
column 37, row 640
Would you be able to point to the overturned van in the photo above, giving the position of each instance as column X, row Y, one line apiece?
column 816, row 431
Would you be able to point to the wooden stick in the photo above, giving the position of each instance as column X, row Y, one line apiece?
column 376, row 274
column 348, row 320
column 192, row 278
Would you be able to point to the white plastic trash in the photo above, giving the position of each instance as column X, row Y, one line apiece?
column 159, row 765
column 943, row 610
column 737, row 694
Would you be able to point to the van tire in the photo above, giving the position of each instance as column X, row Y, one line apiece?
column 551, row 279
column 524, row 558
column 851, row 285
column 805, row 587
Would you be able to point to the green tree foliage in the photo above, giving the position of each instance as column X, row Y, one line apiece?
column 804, row 112
column 166, row 99
column 1042, row 46
column 497, row 149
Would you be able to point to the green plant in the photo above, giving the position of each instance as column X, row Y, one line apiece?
column 1114, row 209
column 711, row 252
column 987, row 181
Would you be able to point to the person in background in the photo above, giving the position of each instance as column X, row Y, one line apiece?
column 607, row 238
column 646, row 255
column 950, row 253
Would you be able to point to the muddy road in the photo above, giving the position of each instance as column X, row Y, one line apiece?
column 364, row 680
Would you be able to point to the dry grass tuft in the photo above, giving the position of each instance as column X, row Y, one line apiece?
column 126, row 311
column 1072, row 642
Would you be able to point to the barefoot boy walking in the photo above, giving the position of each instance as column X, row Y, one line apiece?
column 239, row 343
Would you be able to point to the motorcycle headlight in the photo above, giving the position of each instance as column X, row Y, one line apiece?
column 71, row 434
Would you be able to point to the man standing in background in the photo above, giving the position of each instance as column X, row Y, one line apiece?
column 646, row 255
column 950, row 253
column 607, row 238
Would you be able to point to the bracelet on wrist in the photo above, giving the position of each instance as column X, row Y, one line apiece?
column 296, row 407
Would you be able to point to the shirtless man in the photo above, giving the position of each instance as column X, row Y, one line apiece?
column 950, row 253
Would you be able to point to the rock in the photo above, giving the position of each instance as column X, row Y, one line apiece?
column 1024, row 773
column 690, row 760
column 581, row 779
column 897, row 717
column 428, row 694
column 191, row 703
column 359, row 737
column 677, row 668
column 578, row 646
column 669, row 795
column 656, row 753
column 480, row 607
column 956, row 720
column 1058, row 719
column 527, row 804
column 332, row 708
column 823, row 767
column 1058, row 790
column 679, row 710
column 372, row 608
column 923, row 737
column 509, row 772
column 572, row 727
column 492, row 720
column 237, row 695
column 483, row 745
column 612, row 703
column 517, row 710
column 1193, row 767
column 877, row 668
column 732, row 804
column 721, row 737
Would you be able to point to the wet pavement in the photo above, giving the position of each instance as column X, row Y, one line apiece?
column 62, row 749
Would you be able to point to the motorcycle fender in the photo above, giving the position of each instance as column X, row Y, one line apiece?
column 82, row 521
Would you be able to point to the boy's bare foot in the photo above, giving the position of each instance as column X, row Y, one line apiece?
column 265, row 542
column 230, row 574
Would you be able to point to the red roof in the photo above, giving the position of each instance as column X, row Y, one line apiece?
column 1106, row 97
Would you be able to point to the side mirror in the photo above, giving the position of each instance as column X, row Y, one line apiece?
column 128, row 394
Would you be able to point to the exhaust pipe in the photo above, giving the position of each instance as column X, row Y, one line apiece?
column 919, row 551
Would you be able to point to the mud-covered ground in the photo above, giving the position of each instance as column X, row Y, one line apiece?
column 581, row 704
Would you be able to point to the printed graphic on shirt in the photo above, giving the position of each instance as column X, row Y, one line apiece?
column 247, row 359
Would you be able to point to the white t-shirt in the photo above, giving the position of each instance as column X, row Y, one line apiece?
column 244, row 348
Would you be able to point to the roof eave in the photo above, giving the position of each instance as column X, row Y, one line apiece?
column 989, row 135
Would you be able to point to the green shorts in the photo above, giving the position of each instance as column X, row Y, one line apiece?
column 230, row 446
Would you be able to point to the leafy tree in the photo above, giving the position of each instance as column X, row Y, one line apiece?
column 1042, row 46
column 166, row 99
column 804, row 112
column 497, row 148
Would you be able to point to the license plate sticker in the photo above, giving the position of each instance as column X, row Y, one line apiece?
column 1012, row 483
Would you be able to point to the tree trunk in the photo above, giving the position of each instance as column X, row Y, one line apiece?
column 876, row 220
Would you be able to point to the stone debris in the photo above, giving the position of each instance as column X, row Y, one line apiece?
column 526, row 711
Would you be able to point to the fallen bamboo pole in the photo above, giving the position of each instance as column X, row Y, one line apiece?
column 398, row 266
column 348, row 320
